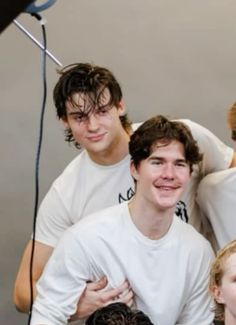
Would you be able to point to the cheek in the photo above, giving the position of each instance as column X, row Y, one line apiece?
column 146, row 178
column 109, row 122
column 229, row 294
column 78, row 132
column 185, row 175
column 76, row 128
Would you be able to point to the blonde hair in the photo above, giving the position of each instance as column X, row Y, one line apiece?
column 216, row 274
column 232, row 120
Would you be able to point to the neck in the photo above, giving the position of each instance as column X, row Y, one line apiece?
column 115, row 153
column 229, row 318
column 152, row 222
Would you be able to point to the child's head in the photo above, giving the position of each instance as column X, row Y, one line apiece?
column 222, row 283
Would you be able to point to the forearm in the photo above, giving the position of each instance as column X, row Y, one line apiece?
column 21, row 294
column 21, row 297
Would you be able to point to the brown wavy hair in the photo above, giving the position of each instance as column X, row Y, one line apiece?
column 160, row 128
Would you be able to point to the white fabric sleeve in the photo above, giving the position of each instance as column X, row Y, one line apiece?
column 62, row 283
column 216, row 155
column 53, row 218
column 199, row 303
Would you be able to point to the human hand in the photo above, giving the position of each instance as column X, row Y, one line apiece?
column 94, row 297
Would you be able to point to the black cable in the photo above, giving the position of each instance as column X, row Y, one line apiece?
column 37, row 161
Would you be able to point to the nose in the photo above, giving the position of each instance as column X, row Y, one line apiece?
column 168, row 171
column 93, row 123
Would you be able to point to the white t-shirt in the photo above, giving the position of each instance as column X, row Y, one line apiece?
column 85, row 187
column 217, row 198
column 169, row 276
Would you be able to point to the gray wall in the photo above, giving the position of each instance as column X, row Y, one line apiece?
column 171, row 57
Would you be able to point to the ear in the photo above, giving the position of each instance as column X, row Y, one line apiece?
column 218, row 295
column 134, row 171
column 121, row 108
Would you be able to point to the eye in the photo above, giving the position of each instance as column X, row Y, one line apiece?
column 181, row 164
column 156, row 162
column 102, row 110
column 80, row 117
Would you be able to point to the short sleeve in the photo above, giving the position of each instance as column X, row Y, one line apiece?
column 53, row 218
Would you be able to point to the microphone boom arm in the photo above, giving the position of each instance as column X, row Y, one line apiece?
column 27, row 33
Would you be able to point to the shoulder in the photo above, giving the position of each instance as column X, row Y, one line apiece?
column 97, row 231
column 197, row 129
column 201, row 133
column 223, row 177
column 191, row 239
column 217, row 186
column 72, row 170
column 105, row 220
column 216, row 154
column 79, row 160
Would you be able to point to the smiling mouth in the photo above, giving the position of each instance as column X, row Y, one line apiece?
column 95, row 138
column 167, row 188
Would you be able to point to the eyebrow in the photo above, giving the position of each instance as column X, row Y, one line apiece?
column 76, row 113
column 162, row 158
column 181, row 160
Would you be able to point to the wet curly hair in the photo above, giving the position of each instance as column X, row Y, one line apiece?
column 90, row 80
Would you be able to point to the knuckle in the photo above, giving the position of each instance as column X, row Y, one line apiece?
column 102, row 300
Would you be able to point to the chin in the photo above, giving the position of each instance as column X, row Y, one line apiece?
column 97, row 147
column 167, row 205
